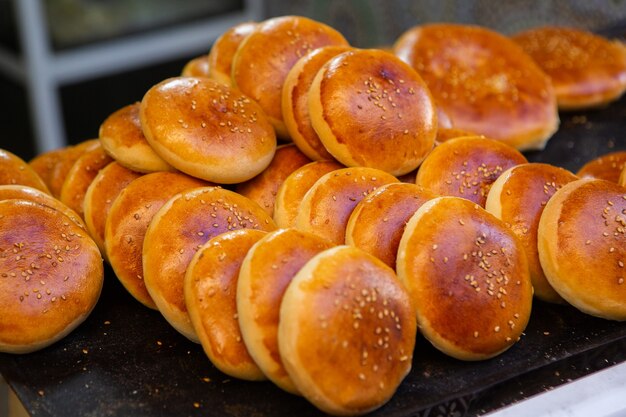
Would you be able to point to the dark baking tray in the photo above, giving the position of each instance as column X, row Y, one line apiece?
column 125, row 360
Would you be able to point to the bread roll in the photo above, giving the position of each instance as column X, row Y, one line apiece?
column 13, row 170
column 467, row 275
column 517, row 198
column 50, row 276
column 197, row 67
column 346, row 332
column 44, row 165
column 207, row 130
column 605, row 167
column 210, row 290
column 220, row 58
column 586, row 70
column 68, row 157
column 581, row 246
column 484, row 81
column 371, row 109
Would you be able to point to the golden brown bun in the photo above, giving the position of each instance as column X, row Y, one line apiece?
column 445, row 134
column 23, row 192
column 377, row 222
column 443, row 120
column 127, row 222
column 371, row 109
column 44, row 165
column 197, row 67
column 262, row 189
column 122, row 138
column 295, row 101
column 264, row 58
column 586, row 70
column 484, row 81
column 81, row 175
column 582, row 249
column 220, row 58
column 326, row 207
column 517, row 198
column 294, row 187
column 210, row 290
column 347, row 331
column 51, row 275
column 468, row 278
column 186, row 222
column 68, row 157
column 14, row 170
column 207, row 130
column 605, row 167
column 466, row 167
column 101, row 194
column 267, row 270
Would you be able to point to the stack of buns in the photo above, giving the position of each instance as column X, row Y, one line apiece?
column 311, row 263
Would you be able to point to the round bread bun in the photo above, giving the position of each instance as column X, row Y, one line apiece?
column 326, row 207
column 127, row 222
column 466, row 167
column 197, row 67
column 207, row 130
column 23, row 192
column 122, row 138
column 265, row 273
column 68, row 157
column 586, row 70
column 44, row 165
column 263, row 188
column 295, row 186
column 467, row 274
column 210, row 289
column 186, row 222
column 605, row 167
column 81, row 175
column 101, row 193
column 445, row 134
column 50, row 276
column 582, row 247
column 377, row 222
column 347, row 331
column 484, row 81
column 264, row 58
column 295, row 100
column 443, row 120
column 371, row 109
column 220, row 57
column 14, row 170
column 518, row 198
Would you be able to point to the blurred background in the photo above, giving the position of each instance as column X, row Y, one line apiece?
column 65, row 65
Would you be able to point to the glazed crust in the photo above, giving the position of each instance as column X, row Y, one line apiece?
column 186, row 222
column 210, row 290
column 265, row 57
column 586, row 70
column 347, row 331
column 44, row 164
column 197, row 67
column 295, row 101
column 263, row 188
column 468, row 278
column 605, row 167
column 122, row 138
column 14, row 170
column 295, row 186
column 81, row 175
column 68, row 157
column 466, row 167
column 101, row 194
column 371, row 109
column 518, row 198
column 220, row 58
column 582, row 246
column 51, row 275
column 326, row 207
column 207, row 130
column 484, row 81
column 127, row 222
column 377, row 222
column 267, row 270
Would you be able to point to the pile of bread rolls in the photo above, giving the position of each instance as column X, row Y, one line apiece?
column 313, row 263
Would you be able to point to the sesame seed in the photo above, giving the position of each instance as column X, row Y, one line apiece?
column 496, row 329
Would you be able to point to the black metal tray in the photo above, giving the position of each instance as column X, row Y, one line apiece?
column 125, row 360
